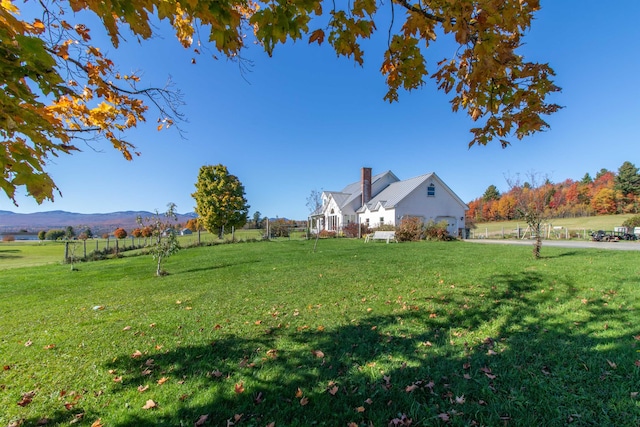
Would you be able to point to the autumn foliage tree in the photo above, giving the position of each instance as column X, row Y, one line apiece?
column 120, row 233
column 220, row 200
column 59, row 87
column 609, row 193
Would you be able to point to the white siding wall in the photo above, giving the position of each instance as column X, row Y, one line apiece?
column 332, row 221
column 388, row 217
column 443, row 204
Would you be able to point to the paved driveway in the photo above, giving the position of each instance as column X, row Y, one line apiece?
column 620, row 246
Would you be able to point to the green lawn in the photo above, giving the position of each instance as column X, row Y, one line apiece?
column 370, row 334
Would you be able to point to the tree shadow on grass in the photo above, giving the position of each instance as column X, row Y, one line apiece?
column 10, row 253
column 427, row 365
column 217, row 266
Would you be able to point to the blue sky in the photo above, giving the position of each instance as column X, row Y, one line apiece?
column 305, row 119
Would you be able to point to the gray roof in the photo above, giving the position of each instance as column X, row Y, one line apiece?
column 355, row 188
column 395, row 192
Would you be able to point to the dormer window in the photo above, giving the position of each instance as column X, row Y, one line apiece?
column 431, row 190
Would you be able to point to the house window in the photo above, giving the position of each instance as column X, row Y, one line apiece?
column 367, row 222
column 381, row 220
column 431, row 190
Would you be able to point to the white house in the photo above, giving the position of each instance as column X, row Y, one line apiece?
column 384, row 199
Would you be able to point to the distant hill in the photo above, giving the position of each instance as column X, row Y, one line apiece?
column 11, row 222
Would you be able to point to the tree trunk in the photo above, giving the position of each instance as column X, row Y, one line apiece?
column 158, row 269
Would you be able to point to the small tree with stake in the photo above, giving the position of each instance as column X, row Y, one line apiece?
column 164, row 241
column 532, row 203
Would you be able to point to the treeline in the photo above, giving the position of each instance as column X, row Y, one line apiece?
column 608, row 193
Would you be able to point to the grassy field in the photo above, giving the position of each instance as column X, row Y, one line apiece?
column 273, row 334
column 28, row 253
column 578, row 227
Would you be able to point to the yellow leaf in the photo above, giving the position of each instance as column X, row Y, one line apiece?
column 150, row 405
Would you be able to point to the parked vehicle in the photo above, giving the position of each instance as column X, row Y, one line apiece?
column 612, row 236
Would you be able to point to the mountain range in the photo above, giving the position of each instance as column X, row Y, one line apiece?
column 11, row 222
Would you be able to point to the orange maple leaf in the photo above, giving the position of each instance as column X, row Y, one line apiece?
column 239, row 388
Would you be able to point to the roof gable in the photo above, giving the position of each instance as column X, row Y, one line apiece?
column 398, row 191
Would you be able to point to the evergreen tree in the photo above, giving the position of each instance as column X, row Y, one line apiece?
column 628, row 179
column 491, row 193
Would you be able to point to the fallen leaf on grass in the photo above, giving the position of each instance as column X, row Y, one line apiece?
column 304, row 401
column 299, row 393
column 637, row 363
column 634, row 394
column 26, row 398
column 43, row 421
column 150, row 405
column 143, row 388
column 273, row 353
column 126, row 328
column 239, row 388
column 368, row 401
column 49, row 346
column 333, row 390
column 318, row 353
column 444, row 416
column 162, row 380
column 612, row 364
column 360, row 409
column 410, row 388
column 29, row 343
column 460, row 399
column 97, row 423
column 136, row 354
column 78, row 417
column 203, row 419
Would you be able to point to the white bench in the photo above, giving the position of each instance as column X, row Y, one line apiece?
column 381, row 235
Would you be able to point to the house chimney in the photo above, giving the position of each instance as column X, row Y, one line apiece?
column 366, row 185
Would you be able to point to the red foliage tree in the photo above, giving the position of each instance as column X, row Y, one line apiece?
column 120, row 233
